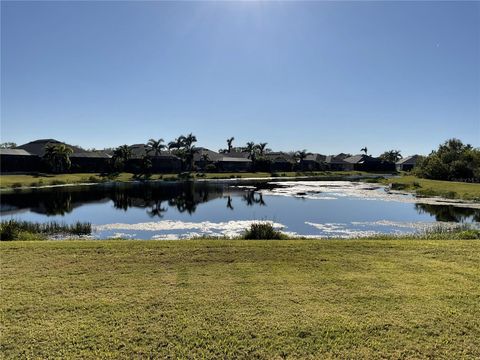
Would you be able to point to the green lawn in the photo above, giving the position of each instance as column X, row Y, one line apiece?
column 17, row 181
column 241, row 299
column 426, row 187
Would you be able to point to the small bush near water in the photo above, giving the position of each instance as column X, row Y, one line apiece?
column 20, row 230
column 262, row 231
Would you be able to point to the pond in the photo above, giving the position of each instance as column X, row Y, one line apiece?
column 171, row 210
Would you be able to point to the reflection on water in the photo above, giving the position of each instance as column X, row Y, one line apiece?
column 449, row 213
column 310, row 209
column 153, row 197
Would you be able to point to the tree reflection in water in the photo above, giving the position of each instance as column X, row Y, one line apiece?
column 229, row 202
column 157, row 210
column 183, row 196
column 448, row 213
column 253, row 198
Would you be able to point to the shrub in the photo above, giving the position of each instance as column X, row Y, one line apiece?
column 262, row 231
column 16, row 185
column 8, row 231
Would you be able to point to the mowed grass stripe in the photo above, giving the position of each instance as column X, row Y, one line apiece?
column 241, row 299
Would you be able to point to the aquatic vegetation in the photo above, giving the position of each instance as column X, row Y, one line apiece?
column 26, row 230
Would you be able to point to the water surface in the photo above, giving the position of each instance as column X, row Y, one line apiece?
column 170, row 210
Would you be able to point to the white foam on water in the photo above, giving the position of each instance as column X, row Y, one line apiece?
column 188, row 229
column 332, row 190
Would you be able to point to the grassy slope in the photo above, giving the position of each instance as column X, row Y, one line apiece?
column 449, row 189
column 7, row 181
column 241, row 299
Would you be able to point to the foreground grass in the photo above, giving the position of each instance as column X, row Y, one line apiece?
column 426, row 187
column 19, row 181
column 241, row 299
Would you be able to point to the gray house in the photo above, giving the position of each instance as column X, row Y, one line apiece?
column 90, row 161
column 280, row 161
column 407, row 163
column 81, row 159
column 313, row 162
column 338, row 163
column 18, row 160
column 233, row 161
column 162, row 162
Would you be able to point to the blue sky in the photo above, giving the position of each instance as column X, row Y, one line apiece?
column 325, row 76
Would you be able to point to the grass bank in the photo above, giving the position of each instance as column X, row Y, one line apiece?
column 19, row 181
column 240, row 299
column 426, row 187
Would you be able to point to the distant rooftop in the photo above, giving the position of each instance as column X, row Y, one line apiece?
column 18, row 152
column 37, row 147
column 409, row 160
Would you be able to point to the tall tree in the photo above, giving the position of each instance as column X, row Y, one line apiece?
column 391, row 156
column 301, row 155
column 262, row 148
column 185, row 149
column 175, row 144
column 229, row 143
column 251, row 149
column 120, row 157
column 57, row 157
column 156, row 146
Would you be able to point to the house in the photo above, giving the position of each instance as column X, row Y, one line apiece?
column 90, row 161
column 163, row 162
column 18, row 160
column 407, row 163
column 233, row 161
column 280, row 161
column 81, row 159
column 313, row 162
column 338, row 163
column 363, row 162
column 204, row 157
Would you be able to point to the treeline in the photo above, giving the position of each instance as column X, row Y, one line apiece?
column 452, row 161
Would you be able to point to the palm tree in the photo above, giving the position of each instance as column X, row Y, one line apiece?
column 391, row 156
column 185, row 148
column 261, row 148
column 364, row 149
column 229, row 143
column 176, row 144
column 121, row 155
column 251, row 149
column 156, row 146
column 57, row 157
column 301, row 155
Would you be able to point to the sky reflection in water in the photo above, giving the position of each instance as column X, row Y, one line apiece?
column 181, row 210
